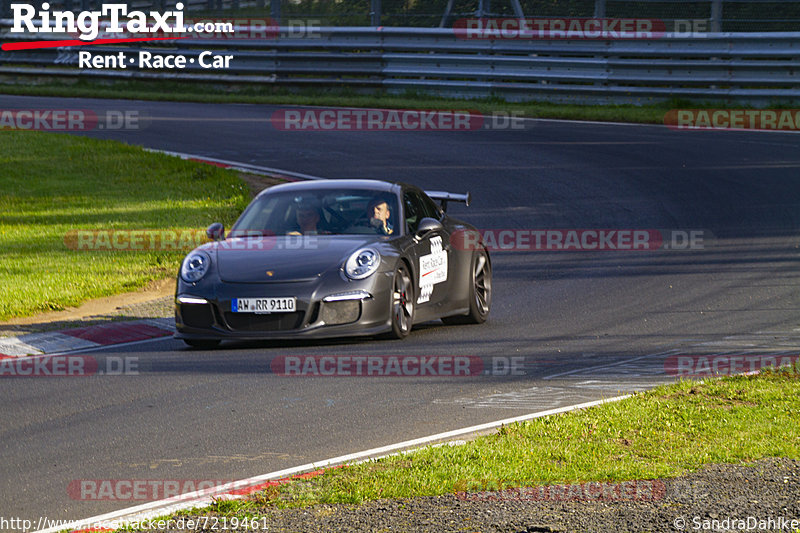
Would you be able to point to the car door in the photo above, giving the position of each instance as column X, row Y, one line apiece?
column 432, row 250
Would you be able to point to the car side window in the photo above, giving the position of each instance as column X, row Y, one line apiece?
column 418, row 206
column 431, row 209
column 412, row 210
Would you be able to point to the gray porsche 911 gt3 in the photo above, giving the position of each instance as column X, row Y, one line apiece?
column 333, row 258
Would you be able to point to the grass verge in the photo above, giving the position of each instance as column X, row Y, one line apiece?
column 665, row 432
column 209, row 93
column 56, row 184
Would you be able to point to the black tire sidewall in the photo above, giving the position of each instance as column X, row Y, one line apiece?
column 397, row 332
column 474, row 312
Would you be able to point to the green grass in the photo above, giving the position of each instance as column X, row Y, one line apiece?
column 191, row 92
column 665, row 432
column 53, row 184
column 646, row 112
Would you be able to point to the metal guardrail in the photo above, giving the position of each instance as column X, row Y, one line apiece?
column 720, row 15
column 745, row 67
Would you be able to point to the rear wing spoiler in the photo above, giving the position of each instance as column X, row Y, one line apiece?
column 445, row 197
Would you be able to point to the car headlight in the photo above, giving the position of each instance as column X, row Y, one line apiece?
column 363, row 263
column 195, row 266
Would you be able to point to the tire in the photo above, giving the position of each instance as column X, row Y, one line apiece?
column 402, row 304
column 480, row 292
column 202, row 344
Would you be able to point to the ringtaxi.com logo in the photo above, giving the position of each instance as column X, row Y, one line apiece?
column 70, row 120
column 67, row 366
column 118, row 19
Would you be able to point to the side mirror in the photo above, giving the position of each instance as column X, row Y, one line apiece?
column 426, row 225
column 216, row 232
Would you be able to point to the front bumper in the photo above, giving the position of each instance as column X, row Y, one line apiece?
column 326, row 307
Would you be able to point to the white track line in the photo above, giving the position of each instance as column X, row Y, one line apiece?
column 672, row 351
column 238, row 165
column 205, row 497
column 641, row 124
column 112, row 346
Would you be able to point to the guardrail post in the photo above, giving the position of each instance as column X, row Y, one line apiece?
column 483, row 8
column 275, row 11
column 447, row 11
column 517, row 9
column 716, row 16
column 599, row 9
column 375, row 13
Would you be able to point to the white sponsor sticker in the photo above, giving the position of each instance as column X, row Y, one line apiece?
column 432, row 269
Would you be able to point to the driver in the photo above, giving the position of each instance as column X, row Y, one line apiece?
column 379, row 214
column 307, row 215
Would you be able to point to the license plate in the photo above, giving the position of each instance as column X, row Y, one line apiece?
column 263, row 305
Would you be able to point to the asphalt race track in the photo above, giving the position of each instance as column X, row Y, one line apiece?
column 588, row 324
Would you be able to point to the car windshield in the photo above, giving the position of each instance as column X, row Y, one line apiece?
column 320, row 212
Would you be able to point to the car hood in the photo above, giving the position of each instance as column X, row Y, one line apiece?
column 283, row 259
